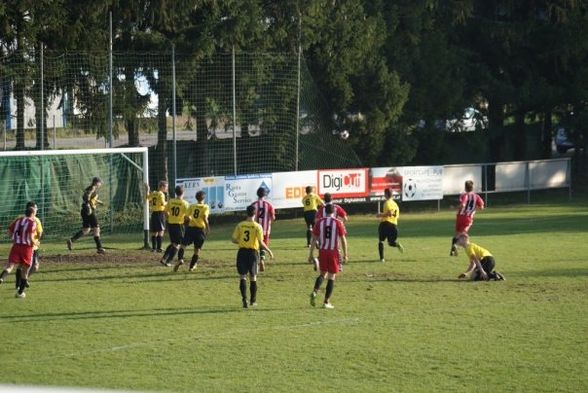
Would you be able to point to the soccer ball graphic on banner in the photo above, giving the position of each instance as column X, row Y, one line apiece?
column 410, row 188
column 344, row 134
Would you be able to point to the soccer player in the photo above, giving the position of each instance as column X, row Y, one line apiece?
column 90, row 202
column 22, row 232
column 338, row 211
column 482, row 262
column 176, row 210
column 249, row 236
column 157, row 205
column 469, row 201
column 198, row 229
column 327, row 233
column 388, row 228
column 36, row 243
column 264, row 216
column 311, row 203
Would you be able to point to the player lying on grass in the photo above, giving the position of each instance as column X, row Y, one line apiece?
column 482, row 262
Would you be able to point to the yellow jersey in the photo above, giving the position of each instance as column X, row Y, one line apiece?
column 156, row 201
column 311, row 202
column 248, row 234
column 473, row 250
column 176, row 210
column 390, row 212
column 198, row 213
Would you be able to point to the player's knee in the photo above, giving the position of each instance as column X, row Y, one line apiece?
column 96, row 231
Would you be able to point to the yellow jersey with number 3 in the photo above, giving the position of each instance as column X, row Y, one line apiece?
column 176, row 210
column 156, row 201
column 248, row 234
column 198, row 213
column 391, row 212
column 311, row 202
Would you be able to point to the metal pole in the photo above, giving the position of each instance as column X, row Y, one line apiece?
column 528, row 183
column 298, row 91
column 42, row 115
column 110, row 122
column 569, row 175
column 54, row 134
column 174, row 111
column 4, row 128
column 234, row 118
column 145, row 202
column 486, row 183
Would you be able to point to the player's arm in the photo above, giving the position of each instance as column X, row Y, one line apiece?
column 469, row 270
column 478, row 265
column 265, row 247
column 206, row 224
column 345, row 249
column 480, row 203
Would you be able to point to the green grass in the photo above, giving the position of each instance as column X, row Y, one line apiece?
column 407, row 325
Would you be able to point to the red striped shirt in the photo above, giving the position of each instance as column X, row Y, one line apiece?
column 264, row 215
column 338, row 212
column 22, row 231
column 328, row 230
column 469, row 201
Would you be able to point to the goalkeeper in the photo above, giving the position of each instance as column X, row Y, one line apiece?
column 89, row 220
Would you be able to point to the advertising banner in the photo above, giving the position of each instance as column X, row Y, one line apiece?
column 241, row 191
column 348, row 185
column 214, row 187
column 382, row 178
column 289, row 188
column 422, row 183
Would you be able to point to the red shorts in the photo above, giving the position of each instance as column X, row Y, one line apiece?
column 463, row 223
column 21, row 254
column 329, row 261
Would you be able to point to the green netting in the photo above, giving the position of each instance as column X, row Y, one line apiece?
column 56, row 183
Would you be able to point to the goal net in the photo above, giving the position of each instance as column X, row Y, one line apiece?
column 56, row 180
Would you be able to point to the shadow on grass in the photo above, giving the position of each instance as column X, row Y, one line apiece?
column 574, row 272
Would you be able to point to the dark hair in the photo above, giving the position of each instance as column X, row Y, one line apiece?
column 96, row 180
column 388, row 192
column 469, row 185
column 200, row 196
column 29, row 211
column 329, row 209
column 162, row 183
column 179, row 190
column 260, row 192
column 31, row 204
column 328, row 197
column 250, row 211
column 308, row 189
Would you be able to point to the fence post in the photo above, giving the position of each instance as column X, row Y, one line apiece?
column 110, row 99
column 486, row 184
column 54, row 134
column 234, row 117
column 175, row 148
column 4, row 132
column 528, row 183
column 42, row 141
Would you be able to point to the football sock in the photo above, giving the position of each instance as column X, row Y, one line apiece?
column 253, row 291
column 17, row 278
column 77, row 236
column 181, row 253
column 171, row 253
column 153, row 242
column 381, row 249
column 3, row 275
column 22, row 286
column 194, row 261
column 262, row 254
column 329, row 290
column 167, row 251
column 98, row 242
column 159, row 240
column 243, row 288
column 318, row 283
column 308, row 236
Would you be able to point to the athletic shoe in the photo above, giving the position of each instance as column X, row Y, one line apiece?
column 164, row 263
column 193, row 267
column 245, row 303
column 453, row 252
column 499, row 276
column 100, row 250
column 20, row 295
column 1, row 280
column 328, row 306
column 69, row 244
column 313, row 299
column 177, row 265
column 382, row 260
column 253, row 304
column 400, row 248
column 159, row 250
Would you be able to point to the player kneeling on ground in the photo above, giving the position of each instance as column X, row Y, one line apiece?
column 481, row 261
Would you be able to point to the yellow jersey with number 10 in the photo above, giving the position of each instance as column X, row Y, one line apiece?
column 176, row 210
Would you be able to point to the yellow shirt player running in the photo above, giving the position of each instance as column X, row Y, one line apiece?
column 198, row 229
column 248, row 235
column 37, row 243
column 311, row 203
column 157, row 204
column 388, row 229
column 482, row 262
column 175, row 210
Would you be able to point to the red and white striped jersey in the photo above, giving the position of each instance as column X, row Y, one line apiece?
column 338, row 212
column 469, row 201
column 23, row 230
column 328, row 230
column 264, row 215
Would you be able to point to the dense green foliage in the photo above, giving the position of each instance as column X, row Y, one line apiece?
column 398, row 63
column 407, row 325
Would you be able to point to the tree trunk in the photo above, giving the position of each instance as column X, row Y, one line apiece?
column 520, row 138
column 496, row 126
column 161, row 149
column 546, row 135
column 131, row 107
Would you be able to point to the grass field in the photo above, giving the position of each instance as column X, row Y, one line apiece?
column 407, row 325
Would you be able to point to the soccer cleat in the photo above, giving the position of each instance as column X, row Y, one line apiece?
column 100, row 250
column 69, row 244
column 164, row 263
column 400, row 247
column 193, row 267
column 20, row 295
column 313, row 299
column 253, row 304
column 382, row 260
column 328, row 306
column 499, row 276
column 178, row 264
column 453, row 252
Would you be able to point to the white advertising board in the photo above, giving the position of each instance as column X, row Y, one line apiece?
column 241, row 191
column 289, row 188
column 422, row 183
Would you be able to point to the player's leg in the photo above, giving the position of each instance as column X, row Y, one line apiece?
column 97, row 239
column 393, row 238
column 7, row 270
column 198, row 243
column 86, row 225
column 382, row 235
column 253, row 271
column 23, row 282
column 309, row 220
column 329, row 290
column 243, row 267
column 488, row 264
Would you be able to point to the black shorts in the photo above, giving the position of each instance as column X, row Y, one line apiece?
column 488, row 264
column 309, row 217
column 247, row 261
column 157, row 223
column 194, row 235
column 89, row 220
column 176, row 233
column 387, row 230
